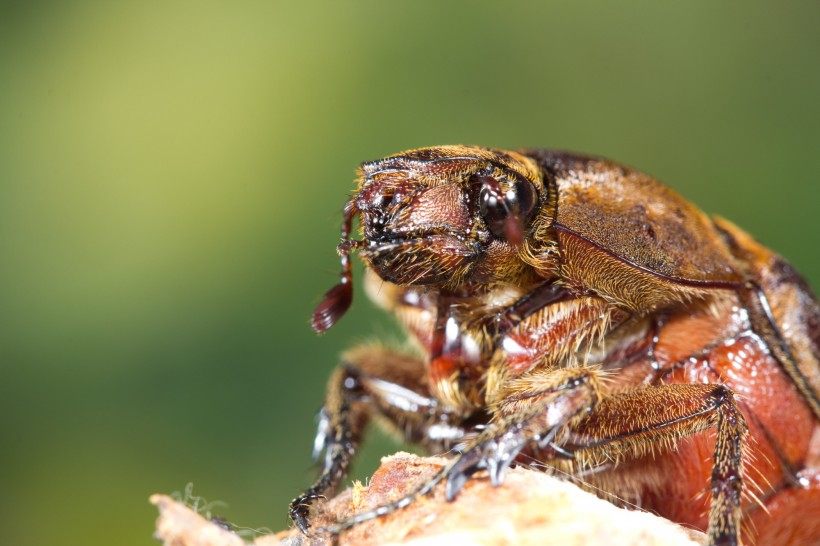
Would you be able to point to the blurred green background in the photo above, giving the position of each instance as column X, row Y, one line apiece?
column 171, row 176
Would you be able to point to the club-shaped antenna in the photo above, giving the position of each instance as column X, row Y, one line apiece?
column 337, row 300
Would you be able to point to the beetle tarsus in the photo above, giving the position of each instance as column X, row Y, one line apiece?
column 466, row 464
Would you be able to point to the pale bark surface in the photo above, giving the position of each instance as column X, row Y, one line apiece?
column 531, row 508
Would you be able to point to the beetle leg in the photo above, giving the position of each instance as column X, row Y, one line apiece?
column 620, row 425
column 371, row 380
column 549, row 337
column 561, row 396
column 627, row 424
column 546, row 400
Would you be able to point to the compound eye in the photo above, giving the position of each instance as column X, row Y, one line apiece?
column 506, row 213
column 523, row 200
column 492, row 204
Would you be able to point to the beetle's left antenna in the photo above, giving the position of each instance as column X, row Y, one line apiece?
column 337, row 300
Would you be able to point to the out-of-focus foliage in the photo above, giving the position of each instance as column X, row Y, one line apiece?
column 171, row 176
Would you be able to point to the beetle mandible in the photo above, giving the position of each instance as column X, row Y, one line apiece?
column 526, row 279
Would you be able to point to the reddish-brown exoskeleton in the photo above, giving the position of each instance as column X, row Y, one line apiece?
column 576, row 312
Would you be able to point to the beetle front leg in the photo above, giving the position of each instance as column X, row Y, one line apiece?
column 545, row 402
column 559, row 397
column 371, row 380
column 525, row 384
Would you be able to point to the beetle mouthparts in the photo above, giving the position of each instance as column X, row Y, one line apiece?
column 337, row 300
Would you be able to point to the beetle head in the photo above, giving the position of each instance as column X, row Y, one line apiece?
column 442, row 216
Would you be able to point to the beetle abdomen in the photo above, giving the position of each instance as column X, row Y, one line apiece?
column 792, row 305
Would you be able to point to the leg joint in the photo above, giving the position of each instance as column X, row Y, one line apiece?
column 721, row 395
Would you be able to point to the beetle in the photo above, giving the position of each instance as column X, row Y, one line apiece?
column 570, row 310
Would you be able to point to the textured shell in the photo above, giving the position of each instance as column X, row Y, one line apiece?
column 634, row 218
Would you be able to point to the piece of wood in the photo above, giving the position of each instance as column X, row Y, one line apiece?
column 530, row 508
